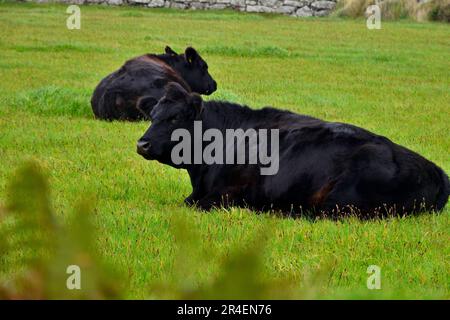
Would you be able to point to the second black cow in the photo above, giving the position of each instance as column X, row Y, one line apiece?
column 131, row 92
column 324, row 167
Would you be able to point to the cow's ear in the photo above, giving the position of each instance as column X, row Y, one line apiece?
column 170, row 51
column 175, row 92
column 191, row 55
column 196, row 101
column 145, row 105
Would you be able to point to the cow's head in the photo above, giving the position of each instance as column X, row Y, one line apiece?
column 194, row 70
column 178, row 109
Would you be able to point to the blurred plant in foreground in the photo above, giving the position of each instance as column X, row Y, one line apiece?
column 32, row 238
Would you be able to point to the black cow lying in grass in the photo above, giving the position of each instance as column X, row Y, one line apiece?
column 325, row 168
column 131, row 92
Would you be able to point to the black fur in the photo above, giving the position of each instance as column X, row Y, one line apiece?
column 324, row 167
column 119, row 96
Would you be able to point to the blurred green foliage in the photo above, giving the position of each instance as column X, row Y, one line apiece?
column 32, row 237
column 41, row 249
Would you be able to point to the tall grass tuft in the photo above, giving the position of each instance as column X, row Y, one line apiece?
column 55, row 101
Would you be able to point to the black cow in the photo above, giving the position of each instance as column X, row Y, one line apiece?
column 131, row 92
column 325, row 168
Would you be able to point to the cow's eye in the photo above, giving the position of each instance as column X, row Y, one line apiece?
column 175, row 119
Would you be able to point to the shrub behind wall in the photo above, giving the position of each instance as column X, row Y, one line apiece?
column 420, row 10
column 439, row 10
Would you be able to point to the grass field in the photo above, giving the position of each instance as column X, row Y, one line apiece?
column 394, row 81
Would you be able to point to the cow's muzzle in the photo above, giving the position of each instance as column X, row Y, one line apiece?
column 211, row 88
column 143, row 148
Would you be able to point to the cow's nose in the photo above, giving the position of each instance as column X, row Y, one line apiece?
column 213, row 87
column 143, row 147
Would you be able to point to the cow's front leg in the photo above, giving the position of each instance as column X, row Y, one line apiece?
column 194, row 197
column 209, row 202
column 223, row 199
column 205, row 204
column 189, row 200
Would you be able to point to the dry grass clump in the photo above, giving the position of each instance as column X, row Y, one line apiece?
column 434, row 10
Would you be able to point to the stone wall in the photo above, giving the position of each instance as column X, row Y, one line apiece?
column 298, row 8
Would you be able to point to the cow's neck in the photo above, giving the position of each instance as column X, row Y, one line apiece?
column 168, row 59
column 175, row 66
column 223, row 115
column 175, row 63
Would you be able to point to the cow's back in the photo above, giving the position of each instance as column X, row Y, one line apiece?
column 324, row 164
column 116, row 95
column 99, row 92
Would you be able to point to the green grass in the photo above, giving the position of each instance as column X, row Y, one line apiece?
column 394, row 81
